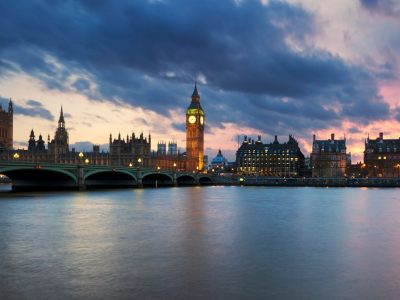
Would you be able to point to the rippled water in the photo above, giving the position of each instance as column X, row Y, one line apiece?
column 201, row 243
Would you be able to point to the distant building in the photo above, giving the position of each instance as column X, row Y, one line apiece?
column 161, row 148
column 382, row 157
column 172, row 148
column 273, row 159
column 329, row 158
column 6, row 128
column 219, row 162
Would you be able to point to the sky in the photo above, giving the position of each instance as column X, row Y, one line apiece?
column 299, row 67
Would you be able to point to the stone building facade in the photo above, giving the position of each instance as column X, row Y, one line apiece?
column 274, row 159
column 382, row 157
column 329, row 158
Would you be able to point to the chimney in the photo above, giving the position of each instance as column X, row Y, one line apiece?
column 313, row 137
column 276, row 138
column 381, row 135
column 332, row 136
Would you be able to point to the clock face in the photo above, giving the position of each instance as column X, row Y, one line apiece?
column 192, row 119
column 201, row 120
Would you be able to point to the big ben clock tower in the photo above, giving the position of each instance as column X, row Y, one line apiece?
column 194, row 134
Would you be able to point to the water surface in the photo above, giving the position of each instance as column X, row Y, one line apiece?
column 201, row 243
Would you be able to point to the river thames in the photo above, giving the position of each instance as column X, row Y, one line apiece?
column 201, row 243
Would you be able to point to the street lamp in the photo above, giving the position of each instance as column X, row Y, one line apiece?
column 86, row 161
column 158, row 168
column 139, row 161
column 16, row 155
column 80, row 155
column 398, row 169
column 130, row 165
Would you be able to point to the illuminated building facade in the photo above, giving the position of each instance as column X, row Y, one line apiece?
column 195, row 134
column 6, row 127
column 125, row 152
column 382, row 157
column 274, row 159
column 328, row 157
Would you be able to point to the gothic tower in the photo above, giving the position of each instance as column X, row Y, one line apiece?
column 6, row 127
column 194, row 134
column 59, row 145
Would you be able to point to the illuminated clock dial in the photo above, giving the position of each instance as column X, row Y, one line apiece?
column 192, row 119
column 201, row 120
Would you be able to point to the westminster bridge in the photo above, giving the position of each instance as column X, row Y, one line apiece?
column 31, row 175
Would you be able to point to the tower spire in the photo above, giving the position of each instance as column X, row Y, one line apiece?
column 61, row 119
column 10, row 107
column 195, row 95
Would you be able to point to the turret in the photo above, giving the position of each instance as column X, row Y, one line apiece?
column 61, row 121
column 10, row 107
column 31, row 142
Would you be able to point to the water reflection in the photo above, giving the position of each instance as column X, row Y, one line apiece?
column 196, row 243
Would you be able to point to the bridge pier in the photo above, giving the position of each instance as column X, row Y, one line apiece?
column 81, row 179
column 175, row 181
column 139, row 179
column 197, row 181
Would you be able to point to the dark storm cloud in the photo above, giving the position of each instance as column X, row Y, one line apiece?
column 386, row 7
column 32, row 108
column 147, row 53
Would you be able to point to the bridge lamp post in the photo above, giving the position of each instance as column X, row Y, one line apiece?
column 175, row 181
column 81, row 155
column 87, row 161
column 130, row 165
column 139, row 174
column 16, row 155
column 158, row 169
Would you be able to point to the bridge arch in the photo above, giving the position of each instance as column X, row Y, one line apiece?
column 205, row 180
column 39, row 178
column 159, row 179
column 186, row 179
column 109, row 178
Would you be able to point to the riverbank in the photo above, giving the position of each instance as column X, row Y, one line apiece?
column 315, row 182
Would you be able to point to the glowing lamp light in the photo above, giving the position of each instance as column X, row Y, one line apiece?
column 158, row 168
column 130, row 165
column 16, row 156
column 86, row 161
column 139, row 160
column 80, row 154
column 174, row 165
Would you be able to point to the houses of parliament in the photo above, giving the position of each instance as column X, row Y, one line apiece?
column 132, row 150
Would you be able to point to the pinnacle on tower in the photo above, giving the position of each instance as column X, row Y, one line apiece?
column 61, row 119
column 195, row 95
column 10, row 107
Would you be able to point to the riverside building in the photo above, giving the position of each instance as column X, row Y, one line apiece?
column 382, row 157
column 328, row 157
column 274, row 159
